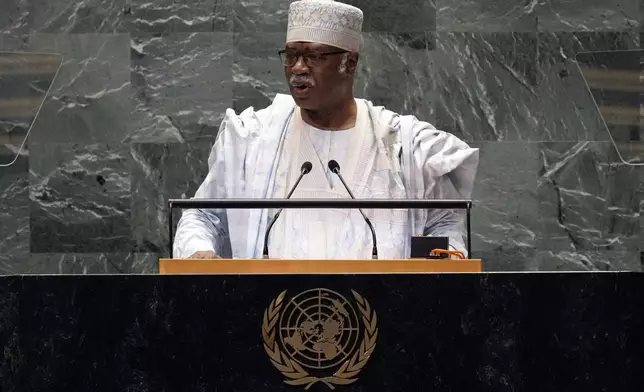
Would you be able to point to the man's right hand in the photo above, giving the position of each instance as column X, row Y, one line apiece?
column 204, row 254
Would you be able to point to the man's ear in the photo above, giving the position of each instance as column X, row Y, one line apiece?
column 352, row 63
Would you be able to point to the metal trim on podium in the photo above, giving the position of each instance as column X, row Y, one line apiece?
column 321, row 203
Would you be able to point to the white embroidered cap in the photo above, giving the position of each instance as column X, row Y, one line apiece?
column 327, row 22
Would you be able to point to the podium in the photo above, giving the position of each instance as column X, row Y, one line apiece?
column 283, row 266
column 200, row 328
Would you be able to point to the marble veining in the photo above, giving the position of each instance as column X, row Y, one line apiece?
column 181, row 86
column 397, row 72
column 597, row 211
column 505, row 216
column 92, row 263
column 487, row 15
column 75, row 17
column 165, row 16
column 486, row 85
column 380, row 15
column 110, row 16
column 80, row 199
column 162, row 172
column 13, row 21
column 258, row 73
column 588, row 15
column 586, row 260
column 89, row 101
column 14, row 212
column 536, row 15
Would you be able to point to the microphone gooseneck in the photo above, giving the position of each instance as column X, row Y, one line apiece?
column 304, row 170
column 335, row 168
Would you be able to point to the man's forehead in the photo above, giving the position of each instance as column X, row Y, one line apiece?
column 312, row 46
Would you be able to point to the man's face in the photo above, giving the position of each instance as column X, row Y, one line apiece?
column 316, row 74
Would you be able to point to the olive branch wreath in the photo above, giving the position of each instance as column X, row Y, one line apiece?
column 345, row 375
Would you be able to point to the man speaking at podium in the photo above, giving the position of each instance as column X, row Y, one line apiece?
column 380, row 154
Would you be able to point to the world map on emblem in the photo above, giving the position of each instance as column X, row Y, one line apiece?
column 319, row 328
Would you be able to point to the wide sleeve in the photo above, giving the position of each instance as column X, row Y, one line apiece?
column 207, row 229
column 446, row 169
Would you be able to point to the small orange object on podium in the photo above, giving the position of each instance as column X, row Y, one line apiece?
column 287, row 266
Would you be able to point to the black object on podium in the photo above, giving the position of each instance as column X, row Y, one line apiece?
column 422, row 246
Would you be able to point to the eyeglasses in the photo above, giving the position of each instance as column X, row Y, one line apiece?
column 289, row 57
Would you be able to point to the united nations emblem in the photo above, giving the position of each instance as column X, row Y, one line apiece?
column 318, row 336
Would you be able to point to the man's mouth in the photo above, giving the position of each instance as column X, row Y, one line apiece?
column 300, row 88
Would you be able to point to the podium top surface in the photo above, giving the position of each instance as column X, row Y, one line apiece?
column 283, row 266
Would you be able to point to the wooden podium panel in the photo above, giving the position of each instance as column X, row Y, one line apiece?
column 279, row 266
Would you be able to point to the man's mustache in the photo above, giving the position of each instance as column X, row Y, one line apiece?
column 302, row 81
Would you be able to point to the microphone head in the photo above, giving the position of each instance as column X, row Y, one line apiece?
column 306, row 167
column 334, row 166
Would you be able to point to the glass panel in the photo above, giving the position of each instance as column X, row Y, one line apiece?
column 25, row 80
column 614, row 81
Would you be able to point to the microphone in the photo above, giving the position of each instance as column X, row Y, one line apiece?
column 335, row 168
column 304, row 170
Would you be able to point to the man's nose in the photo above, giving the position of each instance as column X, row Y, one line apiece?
column 300, row 66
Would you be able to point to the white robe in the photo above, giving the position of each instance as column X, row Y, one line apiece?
column 258, row 154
